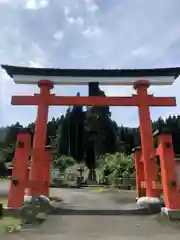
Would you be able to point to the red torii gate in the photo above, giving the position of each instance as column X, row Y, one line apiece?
column 140, row 79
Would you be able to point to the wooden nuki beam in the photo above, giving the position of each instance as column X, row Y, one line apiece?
column 53, row 100
column 94, row 101
column 76, row 101
column 25, row 100
column 162, row 101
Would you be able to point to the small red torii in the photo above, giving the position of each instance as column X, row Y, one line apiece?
column 141, row 79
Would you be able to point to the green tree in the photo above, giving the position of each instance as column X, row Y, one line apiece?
column 62, row 136
column 63, row 162
column 76, row 127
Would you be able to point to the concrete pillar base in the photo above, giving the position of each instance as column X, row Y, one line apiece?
column 148, row 200
column 153, row 204
column 171, row 214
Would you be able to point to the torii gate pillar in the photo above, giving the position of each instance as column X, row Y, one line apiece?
column 139, row 166
column 38, row 162
column 150, row 168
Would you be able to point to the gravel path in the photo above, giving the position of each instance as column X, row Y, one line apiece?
column 92, row 227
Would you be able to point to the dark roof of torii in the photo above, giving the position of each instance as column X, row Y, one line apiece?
column 155, row 72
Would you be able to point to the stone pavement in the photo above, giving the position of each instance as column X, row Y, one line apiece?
column 92, row 227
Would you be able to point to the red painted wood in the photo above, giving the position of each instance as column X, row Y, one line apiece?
column 53, row 100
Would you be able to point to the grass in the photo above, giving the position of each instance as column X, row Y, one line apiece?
column 4, row 179
column 9, row 224
column 99, row 190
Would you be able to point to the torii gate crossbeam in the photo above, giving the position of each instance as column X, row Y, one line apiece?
column 53, row 100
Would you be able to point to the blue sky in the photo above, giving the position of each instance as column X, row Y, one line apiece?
column 88, row 34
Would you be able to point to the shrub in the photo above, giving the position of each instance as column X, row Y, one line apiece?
column 63, row 162
column 34, row 208
column 114, row 166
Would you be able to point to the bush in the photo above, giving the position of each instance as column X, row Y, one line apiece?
column 114, row 166
column 63, row 162
column 34, row 208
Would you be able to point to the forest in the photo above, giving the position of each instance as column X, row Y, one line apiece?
column 88, row 136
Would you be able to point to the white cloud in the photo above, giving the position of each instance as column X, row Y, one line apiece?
column 80, row 55
column 91, row 32
column 5, row 1
column 35, row 64
column 59, row 35
column 121, row 34
column 91, row 6
column 85, row 56
column 66, row 11
column 79, row 20
column 70, row 19
column 140, row 51
column 35, row 4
